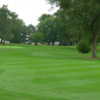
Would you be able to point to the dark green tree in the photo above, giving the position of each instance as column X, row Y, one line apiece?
column 85, row 15
column 18, row 29
column 38, row 37
column 48, row 26
column 5, row 23
column 11, row 27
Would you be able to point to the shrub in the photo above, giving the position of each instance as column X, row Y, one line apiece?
column 84, row 47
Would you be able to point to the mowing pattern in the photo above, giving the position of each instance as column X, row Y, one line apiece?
column 48, row 73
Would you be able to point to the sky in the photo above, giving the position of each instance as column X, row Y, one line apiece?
column 29, row 10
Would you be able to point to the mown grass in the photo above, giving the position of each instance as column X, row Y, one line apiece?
column 48, row 73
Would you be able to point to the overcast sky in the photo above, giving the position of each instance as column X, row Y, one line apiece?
column 29, row 10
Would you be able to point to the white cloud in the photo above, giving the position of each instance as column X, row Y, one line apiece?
column 28, row 10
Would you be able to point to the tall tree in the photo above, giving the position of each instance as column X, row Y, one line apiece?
column 5, row 23
column 85, row 13
column 48, row 26
column 11, row 27
column 18, row 29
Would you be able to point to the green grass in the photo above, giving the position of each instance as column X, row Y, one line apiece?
column 48, row 73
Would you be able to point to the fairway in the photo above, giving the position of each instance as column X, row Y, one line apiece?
column 48, row 73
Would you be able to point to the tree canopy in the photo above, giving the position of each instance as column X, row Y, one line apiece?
column 84, row 15
column 13, row 28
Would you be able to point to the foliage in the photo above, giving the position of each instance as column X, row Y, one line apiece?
column 6, row 23
column 12, row 28
column 84, row 15
column 18, row 28
column 84, row 47
column 48, row 26
column 38, row 37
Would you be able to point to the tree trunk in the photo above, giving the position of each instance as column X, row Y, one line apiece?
column 94, row 38
column 94, row 45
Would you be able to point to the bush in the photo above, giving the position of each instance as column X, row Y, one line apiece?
column 84, row 47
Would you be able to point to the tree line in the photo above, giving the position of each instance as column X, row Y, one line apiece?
column 51, row 29
column 75, row 22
